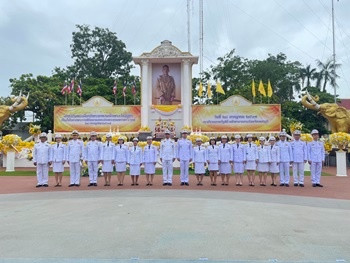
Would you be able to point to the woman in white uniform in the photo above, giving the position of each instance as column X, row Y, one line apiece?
column 107, row 158
column 135, row 161
column 212, row 156
column 251, row 159
column 58, row 153
column 263, row 161
column 120, row 160
column 225, row 160
column 239, row 158
column 149, row 159
column 199, row 160
column 274, row 160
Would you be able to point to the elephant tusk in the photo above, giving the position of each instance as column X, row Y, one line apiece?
column 27, row 95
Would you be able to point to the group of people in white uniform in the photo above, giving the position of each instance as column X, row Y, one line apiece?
column 268, row 157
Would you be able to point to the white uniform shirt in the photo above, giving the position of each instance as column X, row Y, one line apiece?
column 299, row 151
column 239, row 153
column 285, row 151
column 135, row 155
column 121, row 153
column 75, row 151
column 264, row 153
column 251, row 151
column 167, row 149
column 315, row 151
column 184, row 149
column 107, row 151
column 274, row 153
column 58, row 152
column 92, row 151
column 212, row 152
column 150, row 153
column 225, row 153
column 42, row 153
column 199, row 154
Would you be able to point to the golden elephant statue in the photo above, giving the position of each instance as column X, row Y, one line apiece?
column 19, row 103
column 338, row 116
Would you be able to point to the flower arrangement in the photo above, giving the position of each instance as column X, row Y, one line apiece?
column 142, row 144
column 144, row 129
column 187, row 128
column 193, row 138
column 327, row 146
column 9, row 142
column 115, row 138
column 156, row 143
column 34, row 129
column 340, row 139
column 306, row 137
column 297, row 125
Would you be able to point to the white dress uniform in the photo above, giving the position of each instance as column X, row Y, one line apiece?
column 167, row 153
column 199, row 159
column 225, row 156
column 59, row 154
column 42, row 157
column 274, row 158
column 184, row 153
column 212, row 152
column 299, row 152
column 121, row 154
column 135, row 159
column 92, row 153
column 252, row 155
column 74, row 155
column 107, row 156
column 316, row 156
column 285, row 158
column 263, row 158
column 149, row 157
column 239, row 157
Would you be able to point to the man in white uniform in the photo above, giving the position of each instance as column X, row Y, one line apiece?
column 92, row 152
column 299, row 151
column 167, row 157
column 149, row 159
column 184, row 156
column 74, row 155
column 286, row 158
column 225, row 160
column 239, row 158
column 42, row 160
column 316, row 157
column 107, row 158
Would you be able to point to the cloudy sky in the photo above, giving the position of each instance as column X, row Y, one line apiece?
column 36, row 34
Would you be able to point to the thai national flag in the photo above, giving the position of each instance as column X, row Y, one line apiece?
column 80, row 89
column 71, row 86
column 115, row 87
column 133, row 89
column 65, row 88
column 124, row 90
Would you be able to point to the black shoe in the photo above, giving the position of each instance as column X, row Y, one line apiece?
column 90, row 184
column 45, row 185
column 149, row 184
column 38, row 185
column 165, row 184
column 313, row 185
column 182, row 183
column 187, row 184
column 77, row 185
column 170, row 184
column 319, row 185
column 295, row 184
column 71, row 185
column 136, row 184
column 132, row 184
column 286, row 185
column 95, row 184
column 281, row 184
column 301, row 185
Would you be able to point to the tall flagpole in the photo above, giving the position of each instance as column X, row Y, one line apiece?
column 189, row 26
column 334, row 84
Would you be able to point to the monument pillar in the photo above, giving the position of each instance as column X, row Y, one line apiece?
column 186, row 92
column 145, row 92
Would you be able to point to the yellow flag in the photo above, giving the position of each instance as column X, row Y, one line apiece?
column 253, row 89
column 209, row 91
column 200, row 90
column 262, row 89
column 269, row 89
column 219, row 88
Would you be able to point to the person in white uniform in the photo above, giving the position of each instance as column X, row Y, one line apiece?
column 286, row 159
column 274, row 160
column 239, row 158
column 316, row 157
column 121, row 154
column 263, row 161
column 212, row 157
column 92, row 154
column 167, row 157
column 149, row 159
column 184, row 156
column 199, row 160
column 225, row 160
column 107, row 158
column 251, row 159
column 135, row 161
column 74, row 156
column 299, row 152
column 59, row 154
column 42, row 160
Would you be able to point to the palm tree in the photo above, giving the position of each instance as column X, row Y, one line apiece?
column 318, row 77
column 307, row 73
column 328, row 72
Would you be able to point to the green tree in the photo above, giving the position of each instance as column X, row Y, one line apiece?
column 328, row 72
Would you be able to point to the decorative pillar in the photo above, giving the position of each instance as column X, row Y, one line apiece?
column 186, row 92
column 145, row 90
column 341, row 163
column 10, row 161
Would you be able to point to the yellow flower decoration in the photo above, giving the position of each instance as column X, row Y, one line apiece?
column 340, row 139
column 295, row 126
column 144, row 129
column 34, row 129
column 306, row 137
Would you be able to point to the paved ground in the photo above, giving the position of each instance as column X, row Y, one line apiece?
column 102, row 226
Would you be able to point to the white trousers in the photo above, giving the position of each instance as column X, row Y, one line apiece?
column 298, row 173
column 93, row 170
column 316, row 169
column 74, row 169
column 284, row 173
column 167, row 166
column 42, row 173
column 184, row 165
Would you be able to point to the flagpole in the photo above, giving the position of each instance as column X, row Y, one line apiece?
column 124, row 100
column 80, row 100
column 115, row 99
column 65, row 98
